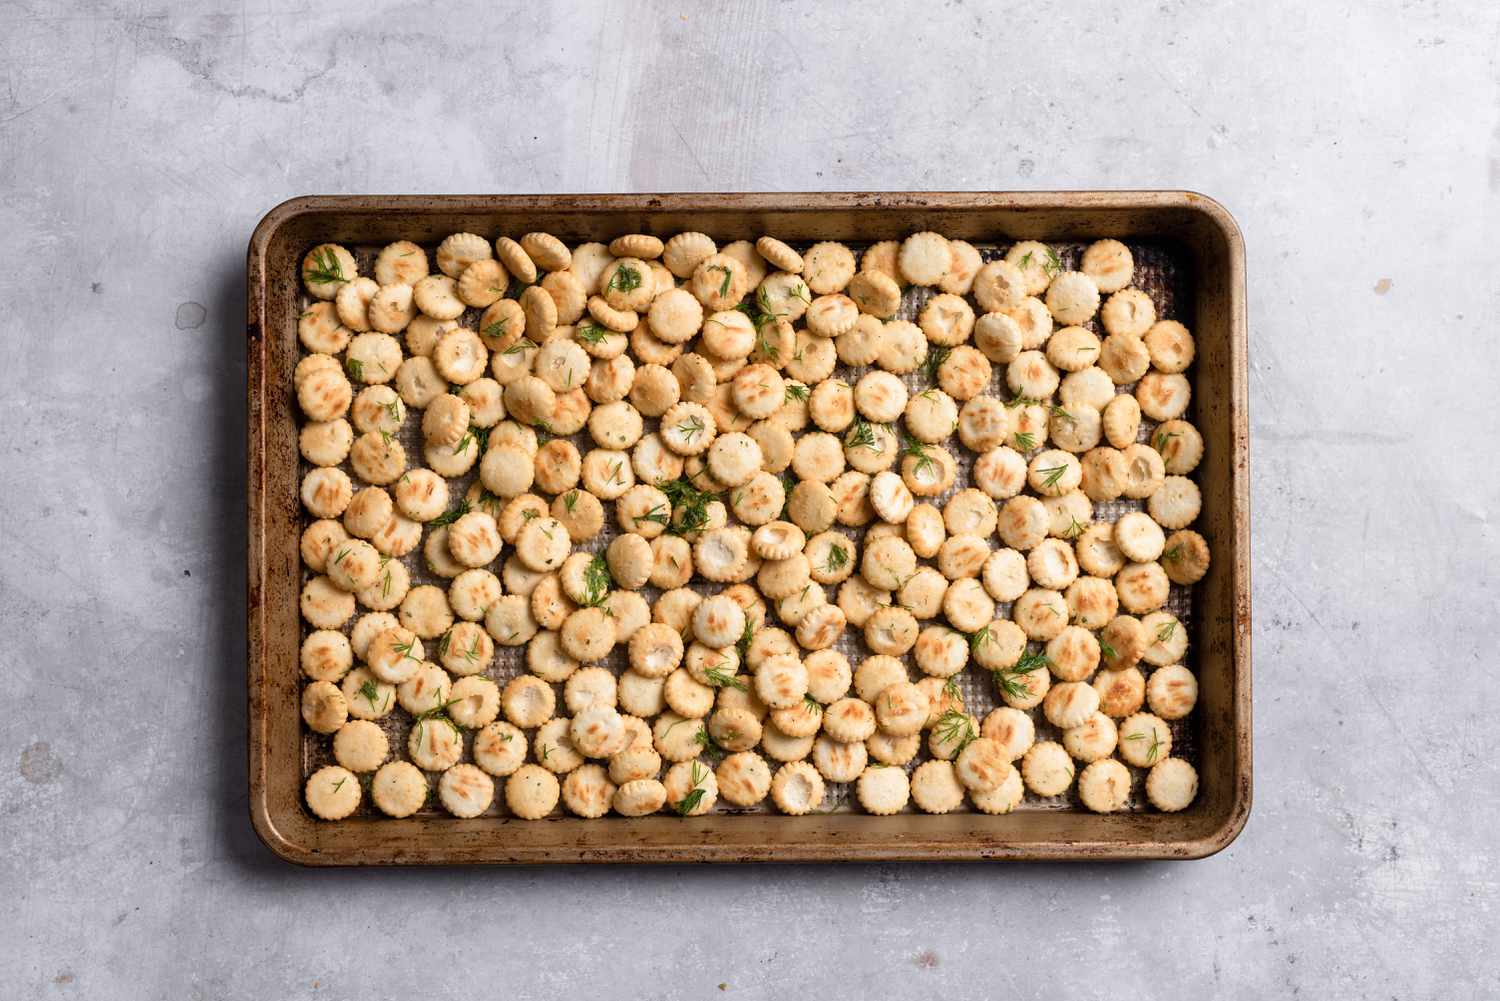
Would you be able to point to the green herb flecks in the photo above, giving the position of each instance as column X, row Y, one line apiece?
column 707, row 742
column 838, row 558
column 473, row 436
column 742, row 645
column 1172, row 555
column 1107, row 650
column 439, row 714
column 764, row 348
column 1025, row 440
column 597, row 582
column 355, row 368
column 728, row 277
column 1166, row 630
column 1053, row 474
column 450, row 516
column 590, row 332
column 691, row 428
column 1155, row 748
column 936, row 355
column 1053, row 264
column 910, row 446
column 325, row 269
column 695, row 795
column 719, row 678
column 489, row 503
column 625, row 279
column 956, row 728
column 1013, row 681
column 797, row 391
column 862, row 435
column 1152, row 749
column 689, row 503
column 1075, row 528
column 369, row 692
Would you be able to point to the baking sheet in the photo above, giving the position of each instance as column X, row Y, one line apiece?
column 1161, row 270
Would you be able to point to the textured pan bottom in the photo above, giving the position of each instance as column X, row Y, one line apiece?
column 1160, row 270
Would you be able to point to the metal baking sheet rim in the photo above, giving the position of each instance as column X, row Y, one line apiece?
column 666, row 840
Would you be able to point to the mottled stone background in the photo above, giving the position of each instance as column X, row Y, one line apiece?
column 1359, row 146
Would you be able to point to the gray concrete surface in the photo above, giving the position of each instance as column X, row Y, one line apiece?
column 1359, row 145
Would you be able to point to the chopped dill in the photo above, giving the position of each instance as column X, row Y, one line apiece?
column 325, row 268
column 719, row 678
column 728, row 277
column 862, row 435
column 936, row 355
column 742, row 645
column 838, row 558
column 596, row 582
column 910, row 446
column 625, row 279
column 695, row 795
column 954, row 727
column 590, row 332
column 369, row 692
column 1013, row 680
column 689, row 503
column 450, row 516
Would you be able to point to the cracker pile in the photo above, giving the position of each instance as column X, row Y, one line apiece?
column 761, row 509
